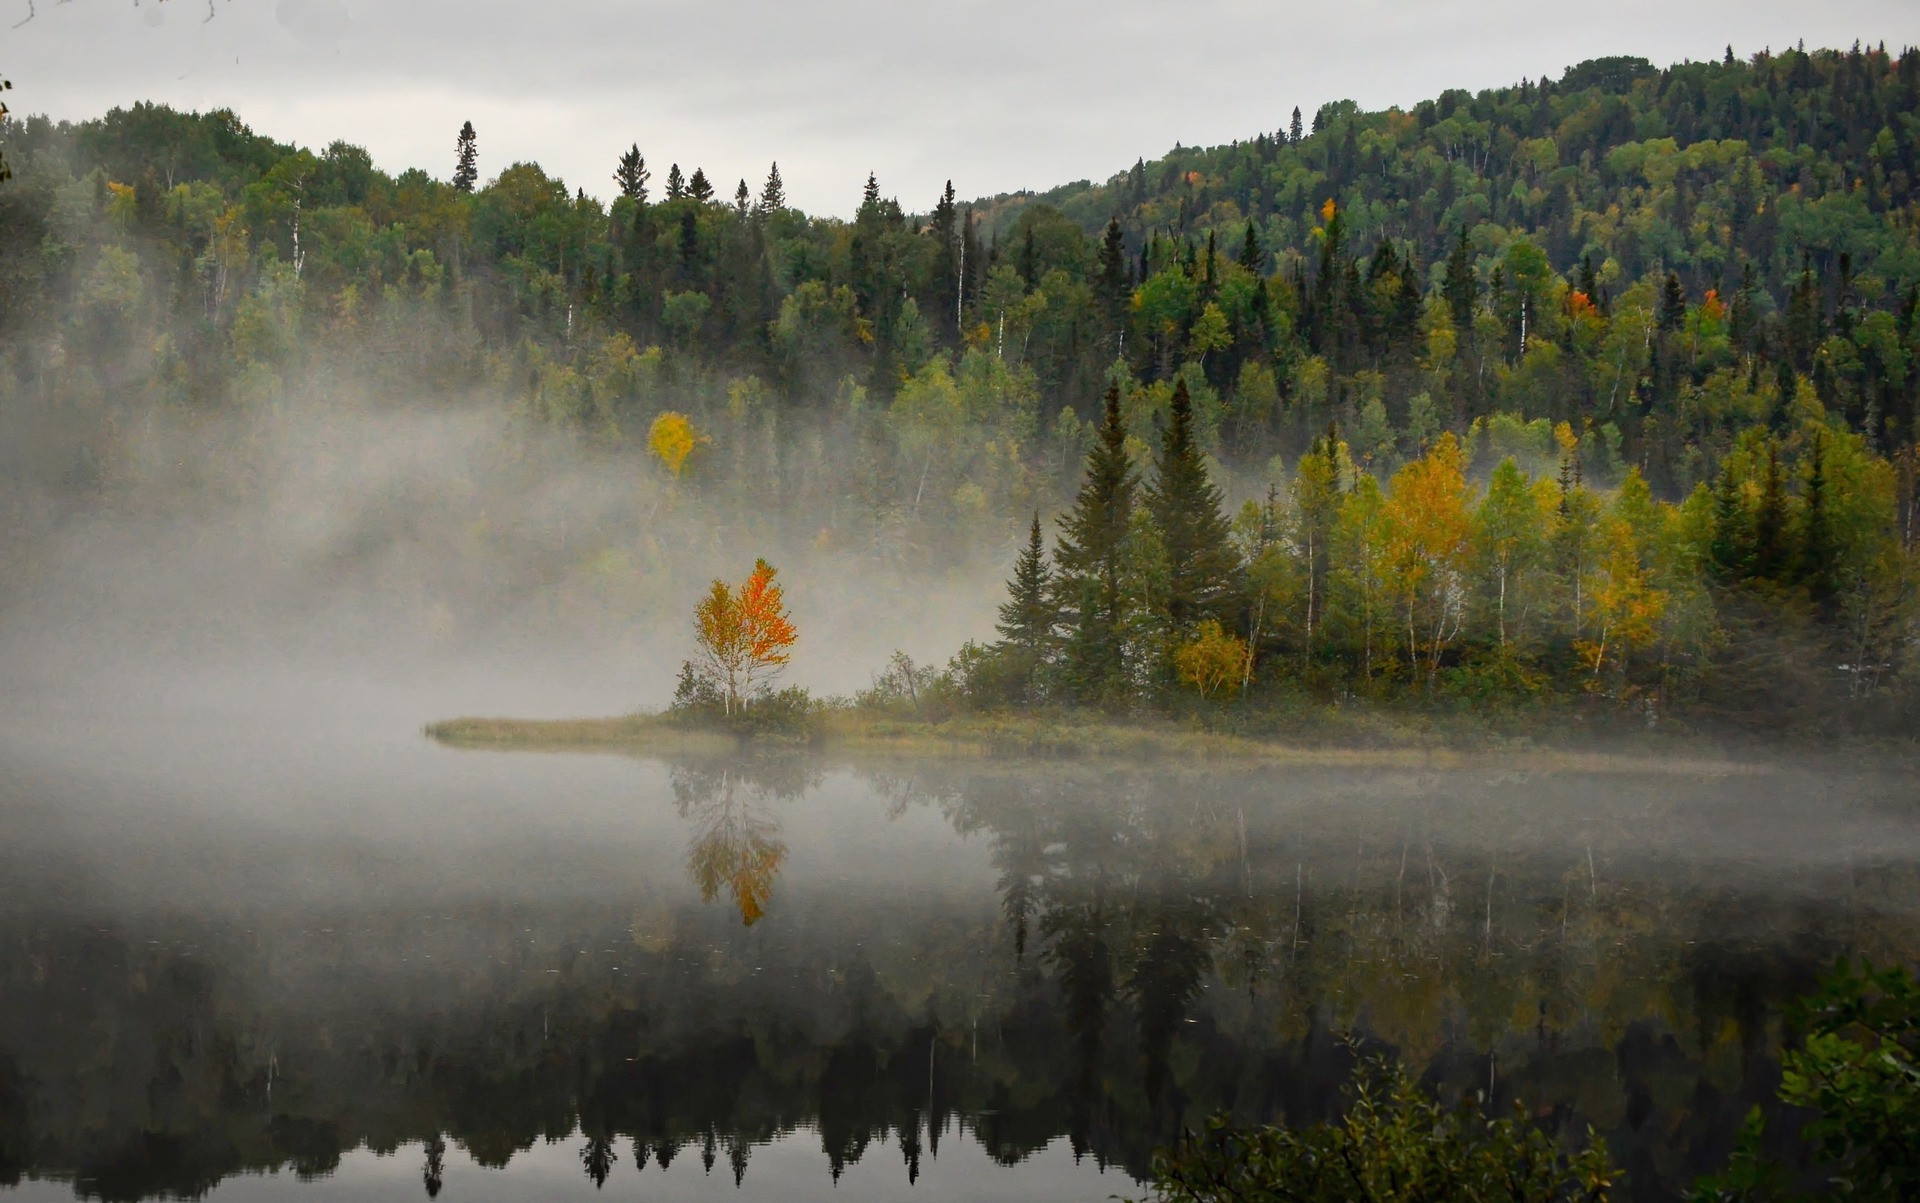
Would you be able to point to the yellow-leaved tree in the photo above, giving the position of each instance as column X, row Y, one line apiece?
column 1213, row 661
column 672, row 439
column 1428, row 522
column 745, row 636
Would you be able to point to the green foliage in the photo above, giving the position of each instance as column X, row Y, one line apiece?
column 1396, row 1144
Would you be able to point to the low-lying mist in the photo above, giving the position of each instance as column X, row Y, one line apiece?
column 450, row 551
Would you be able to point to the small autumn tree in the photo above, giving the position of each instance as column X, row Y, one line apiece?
column 1213, row 661
column 745, row 637
column 672, row 439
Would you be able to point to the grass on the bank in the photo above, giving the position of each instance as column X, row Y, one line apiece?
column 1050, row 736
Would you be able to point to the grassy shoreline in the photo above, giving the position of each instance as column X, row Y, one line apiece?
column 854, row 735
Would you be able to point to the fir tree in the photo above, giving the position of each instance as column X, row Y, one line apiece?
column 632, row 175
column 1729, row 550
column 944, row 232
column 1770, row 552
column 1184, row 504
column 698, row 188
column 1115, row 291
column 742, row 200
column 1091, row 558
column 870, row 195
column 1673, row 303
column 466, row 169
column 1030, row 614
column 676, row 184
column 1293, row 127
column 773, row 194
column 1251, row 256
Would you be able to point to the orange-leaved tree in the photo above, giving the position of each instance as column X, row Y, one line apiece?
column 745, row 635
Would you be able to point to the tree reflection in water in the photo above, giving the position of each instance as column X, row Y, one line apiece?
column 1125, row 953
column 736, row 843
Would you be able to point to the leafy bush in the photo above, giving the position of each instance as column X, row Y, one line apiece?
column 1396, row 1145
column 785, row 713
column 1858, row 1071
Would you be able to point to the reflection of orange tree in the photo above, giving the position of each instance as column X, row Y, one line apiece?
column 736, row 841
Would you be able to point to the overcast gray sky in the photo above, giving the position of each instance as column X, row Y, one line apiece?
column 996, row 95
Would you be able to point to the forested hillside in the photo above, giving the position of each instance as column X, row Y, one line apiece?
column 1686, row 297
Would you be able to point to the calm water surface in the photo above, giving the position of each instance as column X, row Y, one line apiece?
column 267, row 946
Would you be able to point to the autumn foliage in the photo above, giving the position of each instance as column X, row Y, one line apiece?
column 745, row 636
column 672, row 439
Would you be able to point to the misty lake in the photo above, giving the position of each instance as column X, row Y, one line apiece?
column 268, row 942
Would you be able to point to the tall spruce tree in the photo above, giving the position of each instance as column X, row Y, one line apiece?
column 1183, row 502
column 466, row 168
column 676, row 183
column 1028, row 617
column 1459, row 287
column 697, row 186
column 1091, row 562
column 632, row 175
column 773, row 195
column 1293, row 127
column 1115, row 290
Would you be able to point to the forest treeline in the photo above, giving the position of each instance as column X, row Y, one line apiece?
column 1685, row 298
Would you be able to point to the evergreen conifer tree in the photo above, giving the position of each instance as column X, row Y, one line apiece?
column 773, row 195
column 1673, row 303
column 944, row 232
column 1293, row 127
column 632, row 175
column 466, row 169
column 698, row 188
column 742, row 200
column 1114, row 289
column 1091, row 559
column 1729, row 550
column 676, row 183
column 1184, row 504
column 870, row 195
column 1459, row 286
column 1770, row 550
column 1029, row 615
column 1251, row 256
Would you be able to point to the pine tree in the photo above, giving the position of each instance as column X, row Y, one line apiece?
column 1293, row 127
column 742, row 200
column 1091, row 558
column 698, row 188
column 870, row 195
column 632, row 175
column 1770, row 552
column 1028, row 616
column 676, row 184
column 943, row 230
column 1729, row 551
column 466, row 170
column 773, row 195
column 1114, row 289
column 1251, row 256
column 1673, row 303
column 1184, row 504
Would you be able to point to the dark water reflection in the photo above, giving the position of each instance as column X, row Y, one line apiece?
column 786, row 975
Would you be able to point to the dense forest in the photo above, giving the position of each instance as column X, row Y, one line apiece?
column 1593, row 387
